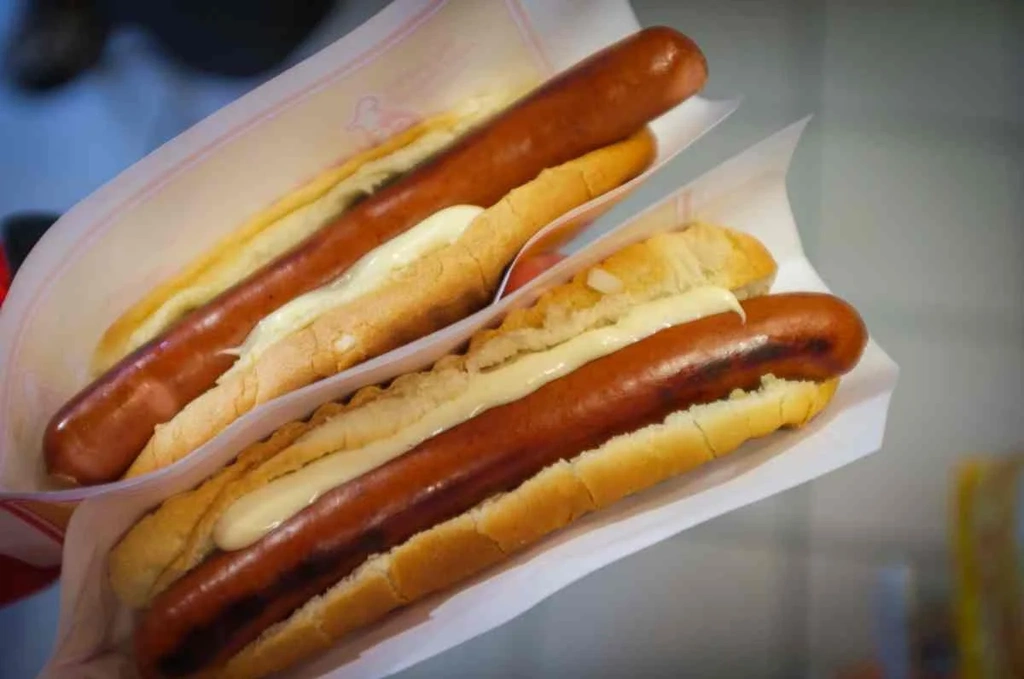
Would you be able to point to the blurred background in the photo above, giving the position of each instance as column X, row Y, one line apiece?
column 908, row 188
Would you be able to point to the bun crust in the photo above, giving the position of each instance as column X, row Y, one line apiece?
column 433, row 292
column 233, row 257
column 449, row 553
column 178, row 535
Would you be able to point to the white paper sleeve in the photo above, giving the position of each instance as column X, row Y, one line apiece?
column 747, row 193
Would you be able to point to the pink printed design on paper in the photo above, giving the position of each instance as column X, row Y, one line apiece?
column 379, row 121
column 100, row 226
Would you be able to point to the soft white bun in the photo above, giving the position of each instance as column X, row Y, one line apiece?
column 559, row 495
column 178, row 535
column 436, row 290
column 273, row 230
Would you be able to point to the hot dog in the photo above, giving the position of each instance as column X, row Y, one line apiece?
column 588, row 396
column 577, row 136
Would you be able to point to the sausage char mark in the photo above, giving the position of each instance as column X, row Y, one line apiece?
column 605, row 99
column 225, row 603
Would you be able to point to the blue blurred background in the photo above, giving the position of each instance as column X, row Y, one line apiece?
column 909, row 192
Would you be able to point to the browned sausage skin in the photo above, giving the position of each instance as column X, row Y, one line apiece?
column 227, row 601
column 96, row 436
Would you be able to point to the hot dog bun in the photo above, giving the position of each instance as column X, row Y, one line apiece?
column 255, row 581
column 433, row 291
column 172, row 540
column 469, row 544
column 626, row 376
column 280, row 226
column 280, row 325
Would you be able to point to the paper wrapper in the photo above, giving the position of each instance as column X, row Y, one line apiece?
column 416, row 58
column 747, row 193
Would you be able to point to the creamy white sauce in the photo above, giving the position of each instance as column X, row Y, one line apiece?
column 297, row 225
column 257, row 513
column 369, row 273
